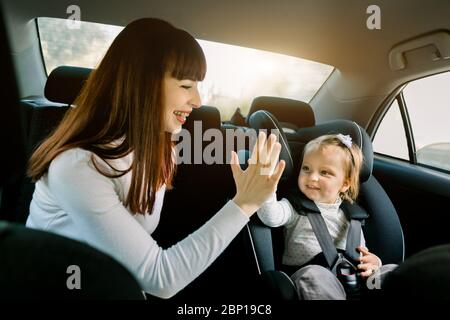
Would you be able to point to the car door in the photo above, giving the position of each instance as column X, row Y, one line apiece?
column 412, row 159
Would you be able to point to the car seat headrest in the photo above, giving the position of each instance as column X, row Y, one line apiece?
column 346, row 127
column 198, row 122
column 64, row 83
column 210, row 117
column 287, row 111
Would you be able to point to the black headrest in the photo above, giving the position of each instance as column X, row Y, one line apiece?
column 64, row 83
column 196, row 124
column 346, row 127
column 296, row 112
column 210, row 117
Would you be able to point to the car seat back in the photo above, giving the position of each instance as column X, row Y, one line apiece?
column 200, row 189
column 42, row 265
column 42, row 115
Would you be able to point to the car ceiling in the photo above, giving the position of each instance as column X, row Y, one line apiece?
column 327, row 31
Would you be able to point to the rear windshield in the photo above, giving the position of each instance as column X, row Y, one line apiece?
column 236, row 75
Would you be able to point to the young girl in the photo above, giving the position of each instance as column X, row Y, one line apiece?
column 329, row 174
column 102, row 174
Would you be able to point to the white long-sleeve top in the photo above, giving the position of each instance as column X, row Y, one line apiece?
column 76, row 201
column 301, row 244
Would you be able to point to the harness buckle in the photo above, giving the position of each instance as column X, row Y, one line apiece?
column 347, row 274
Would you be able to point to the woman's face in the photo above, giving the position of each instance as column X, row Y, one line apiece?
column 322, row 175
column 180, row 97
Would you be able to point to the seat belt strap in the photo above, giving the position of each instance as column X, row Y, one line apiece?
column 323, row 237
column 356, row 216
column 353, row 239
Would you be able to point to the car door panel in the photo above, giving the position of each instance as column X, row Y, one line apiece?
column 421, row 197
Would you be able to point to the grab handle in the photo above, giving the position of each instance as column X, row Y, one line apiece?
column 441, row 40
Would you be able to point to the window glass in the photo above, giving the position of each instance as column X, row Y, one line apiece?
column 236, row 75
column 428, row 103
column 390, row 137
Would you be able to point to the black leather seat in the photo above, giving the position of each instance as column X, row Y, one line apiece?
column 382, row 230
column 42, row 115
column 12, row 127
column 38, row 265
column 200, row 190
column 423, row 276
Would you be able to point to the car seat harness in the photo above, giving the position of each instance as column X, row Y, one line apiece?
column 342, row 264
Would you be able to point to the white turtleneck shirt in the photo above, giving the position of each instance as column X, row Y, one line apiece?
column 74, row 200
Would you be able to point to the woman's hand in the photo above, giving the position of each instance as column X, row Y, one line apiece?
column 260, row 179
column 369, row 263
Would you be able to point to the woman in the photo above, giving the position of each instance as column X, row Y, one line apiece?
column 101, row 175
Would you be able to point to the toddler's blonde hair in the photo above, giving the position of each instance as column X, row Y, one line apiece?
column 353, row 161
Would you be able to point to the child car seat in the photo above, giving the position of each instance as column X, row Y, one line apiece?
column 382, row 230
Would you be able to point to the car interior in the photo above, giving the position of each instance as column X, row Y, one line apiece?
column 375, row 67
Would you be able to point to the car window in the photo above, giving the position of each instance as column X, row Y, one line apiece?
column 236, row 75
column 390, row 138
column 427, row 102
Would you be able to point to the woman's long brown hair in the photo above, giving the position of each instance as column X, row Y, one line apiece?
column 122, row 102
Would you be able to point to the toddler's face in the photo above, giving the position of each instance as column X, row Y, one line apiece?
column 322, row 175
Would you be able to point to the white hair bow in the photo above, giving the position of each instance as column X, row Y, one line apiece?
column 345, row 139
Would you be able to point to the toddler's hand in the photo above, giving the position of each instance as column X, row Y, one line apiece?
column 369, row 263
